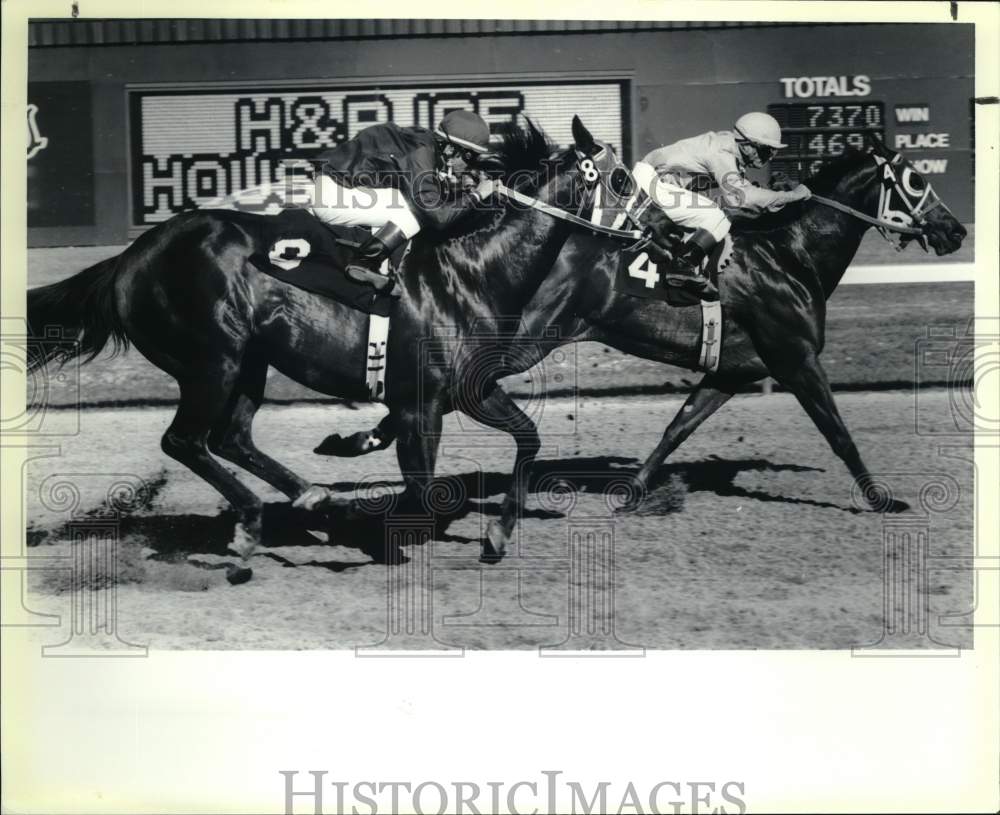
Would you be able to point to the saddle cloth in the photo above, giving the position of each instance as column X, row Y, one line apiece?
column 304, row 252
column 308, row 254
column 641, row 276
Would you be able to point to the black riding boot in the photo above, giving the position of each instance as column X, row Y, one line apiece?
column 685, row 271
column 365, row 267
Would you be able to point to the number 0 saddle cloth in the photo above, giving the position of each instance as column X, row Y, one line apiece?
column 302, row 251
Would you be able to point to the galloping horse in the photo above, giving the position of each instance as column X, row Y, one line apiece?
column 784, row 267
column 186, row 295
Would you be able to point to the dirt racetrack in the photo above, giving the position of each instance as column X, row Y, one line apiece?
column 751, row 539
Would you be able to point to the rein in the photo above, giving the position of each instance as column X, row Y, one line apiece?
column 903, row 230
column 555, row 212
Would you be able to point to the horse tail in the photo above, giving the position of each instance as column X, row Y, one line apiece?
column 75, row 316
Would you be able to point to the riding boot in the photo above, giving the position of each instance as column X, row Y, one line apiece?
column 685, row 271
column 365, row 266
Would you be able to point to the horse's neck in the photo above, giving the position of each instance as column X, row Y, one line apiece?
column 830, row 238
column 510, row 264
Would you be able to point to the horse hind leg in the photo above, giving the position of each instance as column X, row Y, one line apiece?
column 231, row 437
column 203, row 399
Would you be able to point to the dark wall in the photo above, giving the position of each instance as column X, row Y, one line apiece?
column 682, row 83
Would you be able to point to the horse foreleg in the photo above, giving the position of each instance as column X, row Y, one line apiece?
column 711, row 394
column 418, row 436
column 499, row 411
column 808, row 381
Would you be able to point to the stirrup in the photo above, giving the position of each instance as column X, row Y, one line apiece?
column 383, row 284
column 695, row 283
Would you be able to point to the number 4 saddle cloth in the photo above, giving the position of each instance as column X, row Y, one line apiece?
column 639, row 275
column 302, row 251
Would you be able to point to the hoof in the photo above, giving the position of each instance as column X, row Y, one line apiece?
column 879, row 499
column 244, row 544
column 238, row 574
column 628, row 507
column 330, row 446
column 494, row 547
column 313, row 498
column 336, row 445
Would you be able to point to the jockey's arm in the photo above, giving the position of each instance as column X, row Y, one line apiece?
column 738, row 192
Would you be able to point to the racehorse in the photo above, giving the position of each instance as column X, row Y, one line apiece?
column 784, row 267
column 186, row 295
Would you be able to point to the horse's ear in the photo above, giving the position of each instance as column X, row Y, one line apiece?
column 874, row 144
column 581, row 136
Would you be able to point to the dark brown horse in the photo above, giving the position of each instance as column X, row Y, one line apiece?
column 186, row 295
column 774, row 294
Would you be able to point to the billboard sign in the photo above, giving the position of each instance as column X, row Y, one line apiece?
column 193, row 146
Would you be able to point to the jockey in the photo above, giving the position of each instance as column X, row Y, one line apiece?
column 398, row 179
column 667, row 172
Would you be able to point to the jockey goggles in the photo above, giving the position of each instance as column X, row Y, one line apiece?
column 452, row 150
column 765, row 152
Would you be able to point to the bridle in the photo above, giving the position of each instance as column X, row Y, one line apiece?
column 598, row 181
column 888, row 220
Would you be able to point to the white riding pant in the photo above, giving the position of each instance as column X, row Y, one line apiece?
column 686, row 208
column 360, row 206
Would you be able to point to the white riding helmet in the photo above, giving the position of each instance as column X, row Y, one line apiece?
column 760, row 128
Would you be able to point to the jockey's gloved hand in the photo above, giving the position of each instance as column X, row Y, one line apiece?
column 485, row 188
column 801, row 193
column 781, row 182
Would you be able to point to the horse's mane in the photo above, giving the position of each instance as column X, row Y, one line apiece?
column 822, row 182
column 523, row 154
column 523, row 160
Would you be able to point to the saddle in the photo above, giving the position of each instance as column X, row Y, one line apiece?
column 645, row 267
column 302, row 251
column 643, row 272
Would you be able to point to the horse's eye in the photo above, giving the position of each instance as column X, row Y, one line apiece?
column 621, row 182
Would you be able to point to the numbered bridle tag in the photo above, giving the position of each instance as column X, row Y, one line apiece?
column 589, row 170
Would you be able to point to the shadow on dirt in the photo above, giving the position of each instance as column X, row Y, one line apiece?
column 556, row 483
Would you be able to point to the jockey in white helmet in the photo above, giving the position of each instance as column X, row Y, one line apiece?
column 723, row 156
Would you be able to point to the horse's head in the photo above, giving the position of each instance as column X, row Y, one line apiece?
column 605, row 188
column 588, row 180
column 903, row 197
